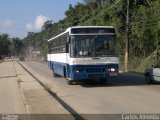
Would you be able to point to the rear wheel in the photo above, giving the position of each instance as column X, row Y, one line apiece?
column 64, row 70
column 69, row 82
column 148, row 79
column 54, row 74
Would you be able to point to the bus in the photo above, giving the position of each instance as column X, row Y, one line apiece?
column 82, row 53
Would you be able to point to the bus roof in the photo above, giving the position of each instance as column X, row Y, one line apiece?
column 70, row 28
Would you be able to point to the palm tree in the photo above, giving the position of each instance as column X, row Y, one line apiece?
column 17, row 47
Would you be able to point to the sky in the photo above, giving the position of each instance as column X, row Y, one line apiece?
column 18, row 17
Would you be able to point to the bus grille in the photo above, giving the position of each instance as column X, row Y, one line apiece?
column 94, row 70
column 95, row 75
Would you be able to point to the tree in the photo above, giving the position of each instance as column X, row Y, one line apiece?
column 47, row 25
column 17, row 46
column 4, row 44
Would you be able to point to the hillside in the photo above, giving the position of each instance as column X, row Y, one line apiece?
column 144, row 27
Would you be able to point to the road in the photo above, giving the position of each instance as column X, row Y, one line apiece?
column 11, row 100
column 30, row 88
column 23, row 98
column 127, row 94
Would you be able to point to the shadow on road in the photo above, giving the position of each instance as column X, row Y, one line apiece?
column 122, row 80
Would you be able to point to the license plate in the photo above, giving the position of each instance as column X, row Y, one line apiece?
column 113, row 74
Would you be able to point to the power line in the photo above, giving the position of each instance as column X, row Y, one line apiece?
column 158, row 19
column 139, row 27
column 145, row 28
column 94, row 11
column 149, row 3
column 112, row 6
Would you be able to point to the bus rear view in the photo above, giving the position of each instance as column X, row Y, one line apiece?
column 90, row 54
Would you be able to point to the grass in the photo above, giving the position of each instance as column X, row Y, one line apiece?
column 139, row 64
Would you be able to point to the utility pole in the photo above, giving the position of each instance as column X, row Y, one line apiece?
column 127, row 39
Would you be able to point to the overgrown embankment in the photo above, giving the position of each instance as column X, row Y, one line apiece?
column 140, row 64
column 144, row 27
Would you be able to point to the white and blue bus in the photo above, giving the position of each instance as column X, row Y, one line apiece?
column 84, row 53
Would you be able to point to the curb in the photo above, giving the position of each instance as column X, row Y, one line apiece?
column 133, row 75
column 74, row 114
column 1, row 61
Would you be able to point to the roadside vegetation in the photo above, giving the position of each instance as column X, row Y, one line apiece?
column 144, row 29
column 10, row 46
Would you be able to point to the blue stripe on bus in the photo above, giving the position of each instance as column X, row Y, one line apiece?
column 82, row 72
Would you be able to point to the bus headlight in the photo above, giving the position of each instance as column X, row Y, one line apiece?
column 77, row 70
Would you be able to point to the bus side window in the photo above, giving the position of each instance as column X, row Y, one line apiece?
column 67, row 44
column 49, row 47
column 106, row 45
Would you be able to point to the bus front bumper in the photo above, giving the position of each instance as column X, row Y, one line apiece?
column 93, row 76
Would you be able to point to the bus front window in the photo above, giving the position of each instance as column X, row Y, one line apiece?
column 105, row 46
column 92, row 46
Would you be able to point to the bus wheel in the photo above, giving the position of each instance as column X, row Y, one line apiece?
column 54, row 74
column 103, row 81
column 69, row 82
column 64, row 72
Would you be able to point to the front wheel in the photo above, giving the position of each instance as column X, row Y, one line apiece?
column 103, row 81
column 69, row 82
column 148, row 79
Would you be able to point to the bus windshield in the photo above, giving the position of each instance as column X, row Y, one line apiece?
column 93, row 46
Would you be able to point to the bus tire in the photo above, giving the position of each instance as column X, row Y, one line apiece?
column 103, row 81
column 64, row 72
column 69, row 82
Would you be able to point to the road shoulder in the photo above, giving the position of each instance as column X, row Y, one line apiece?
column 39, row 101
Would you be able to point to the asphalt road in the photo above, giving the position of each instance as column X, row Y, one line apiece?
column 127, row 94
